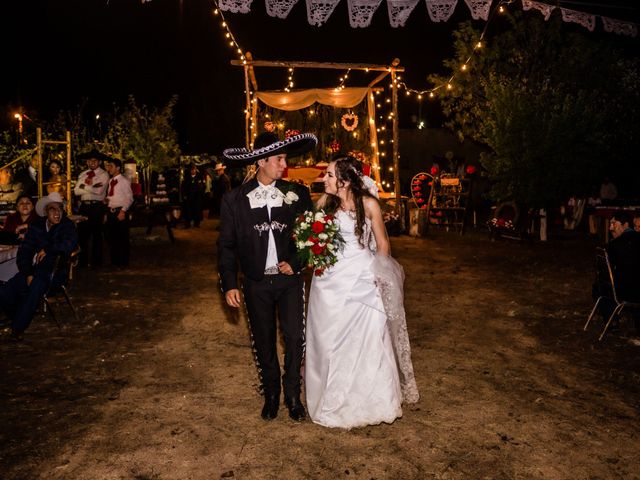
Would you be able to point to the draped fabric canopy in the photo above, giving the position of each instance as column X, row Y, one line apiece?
column 290, row 101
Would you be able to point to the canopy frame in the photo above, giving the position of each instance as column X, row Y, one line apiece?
column 251, row 110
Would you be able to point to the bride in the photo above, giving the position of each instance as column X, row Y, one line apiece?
column 358, row 361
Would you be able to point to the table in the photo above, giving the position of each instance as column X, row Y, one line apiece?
column 8, row 266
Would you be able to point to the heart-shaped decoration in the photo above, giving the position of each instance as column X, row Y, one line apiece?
column 349, row 122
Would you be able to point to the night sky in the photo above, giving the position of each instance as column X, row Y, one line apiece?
column 60, row 53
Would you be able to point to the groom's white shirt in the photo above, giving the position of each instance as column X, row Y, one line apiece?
column 272, row 252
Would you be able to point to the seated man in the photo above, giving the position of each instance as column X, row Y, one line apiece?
column 624, row 255
column 51, row 236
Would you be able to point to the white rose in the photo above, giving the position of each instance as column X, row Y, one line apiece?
column 319, row 216
column 308, row 243
column 290, row 197
column 323, row 236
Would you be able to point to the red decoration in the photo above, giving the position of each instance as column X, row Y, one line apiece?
column 471, row 169
column 335, row 146
column 291, row 133
column 434, row 170
column 269, row 126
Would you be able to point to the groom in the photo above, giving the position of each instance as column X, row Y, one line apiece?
column 256, row 220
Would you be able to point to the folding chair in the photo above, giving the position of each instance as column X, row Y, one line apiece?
column 56, row 290
column 607, row 290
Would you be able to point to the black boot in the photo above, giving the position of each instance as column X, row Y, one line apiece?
column 296, row 409
column 271, row 405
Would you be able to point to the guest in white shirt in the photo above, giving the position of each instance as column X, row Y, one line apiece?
column 91, row 187
column 119, row 200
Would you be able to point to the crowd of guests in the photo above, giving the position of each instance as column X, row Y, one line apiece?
column 47, row 237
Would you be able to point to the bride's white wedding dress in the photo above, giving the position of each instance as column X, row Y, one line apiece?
column 354, row 362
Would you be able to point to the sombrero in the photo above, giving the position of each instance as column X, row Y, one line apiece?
column 93, row 154
column 268, row 144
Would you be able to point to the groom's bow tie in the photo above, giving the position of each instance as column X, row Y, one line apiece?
column 265, row 195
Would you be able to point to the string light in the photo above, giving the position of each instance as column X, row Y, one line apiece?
column 289, row 84
column 228, row 34
column 342, row 80
column 448, row 85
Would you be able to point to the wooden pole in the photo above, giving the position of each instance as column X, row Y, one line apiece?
column 247, row 110
column 396, row 156
column 373, row 138
column 68, row 184
column 39, row 146
column 328, row 65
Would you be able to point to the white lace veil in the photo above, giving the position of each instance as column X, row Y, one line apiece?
column 389, row 276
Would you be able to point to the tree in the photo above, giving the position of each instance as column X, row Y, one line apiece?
column 551, row 105
column 145, row 135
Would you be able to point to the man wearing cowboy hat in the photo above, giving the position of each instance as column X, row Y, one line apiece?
column 91, row 187
column 256, row 220
column 49, row 237
column 221, row 185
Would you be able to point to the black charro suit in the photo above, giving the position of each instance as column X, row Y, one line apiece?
column 244, row 238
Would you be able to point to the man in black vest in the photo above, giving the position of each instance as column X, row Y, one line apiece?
column 256, row 220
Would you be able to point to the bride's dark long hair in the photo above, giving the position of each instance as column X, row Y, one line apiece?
column 349, row 169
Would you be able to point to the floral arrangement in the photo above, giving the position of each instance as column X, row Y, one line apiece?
column 318, row 240
column 359, row 154
column 501, row 223
column 291, row 133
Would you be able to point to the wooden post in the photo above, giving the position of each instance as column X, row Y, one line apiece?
column 39, row 146
column 396, row 156
column 247, row 112
column 68, row 184
column 373, row 138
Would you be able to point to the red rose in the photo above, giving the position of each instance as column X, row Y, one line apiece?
column 317, row 227
column 318, row 271
column 313, row 239
column 328, row 217
column 317, row 249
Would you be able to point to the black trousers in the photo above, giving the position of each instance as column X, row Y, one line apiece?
column 90, row 233
column 282, row 295
column 118, row 236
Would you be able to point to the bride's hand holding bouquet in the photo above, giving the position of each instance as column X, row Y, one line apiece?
column 318, row 240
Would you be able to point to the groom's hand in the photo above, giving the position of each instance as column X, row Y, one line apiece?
column 233, row 297
column 285, row 268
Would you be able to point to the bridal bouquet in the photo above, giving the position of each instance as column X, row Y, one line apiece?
column 318, row 240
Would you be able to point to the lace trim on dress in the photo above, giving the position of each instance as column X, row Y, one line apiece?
column 390, row 279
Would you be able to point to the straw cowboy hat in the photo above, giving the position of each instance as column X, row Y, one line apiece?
column 44, row 202
column 268, row 144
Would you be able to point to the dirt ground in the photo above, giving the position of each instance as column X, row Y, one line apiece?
column 156, row 381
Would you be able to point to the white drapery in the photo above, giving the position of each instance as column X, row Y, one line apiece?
column 337, row 98
column 290, row 101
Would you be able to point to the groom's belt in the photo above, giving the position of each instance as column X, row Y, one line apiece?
column 272, row 270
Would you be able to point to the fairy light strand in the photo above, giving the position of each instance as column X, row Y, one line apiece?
column 464, row 68
column 228, row 34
